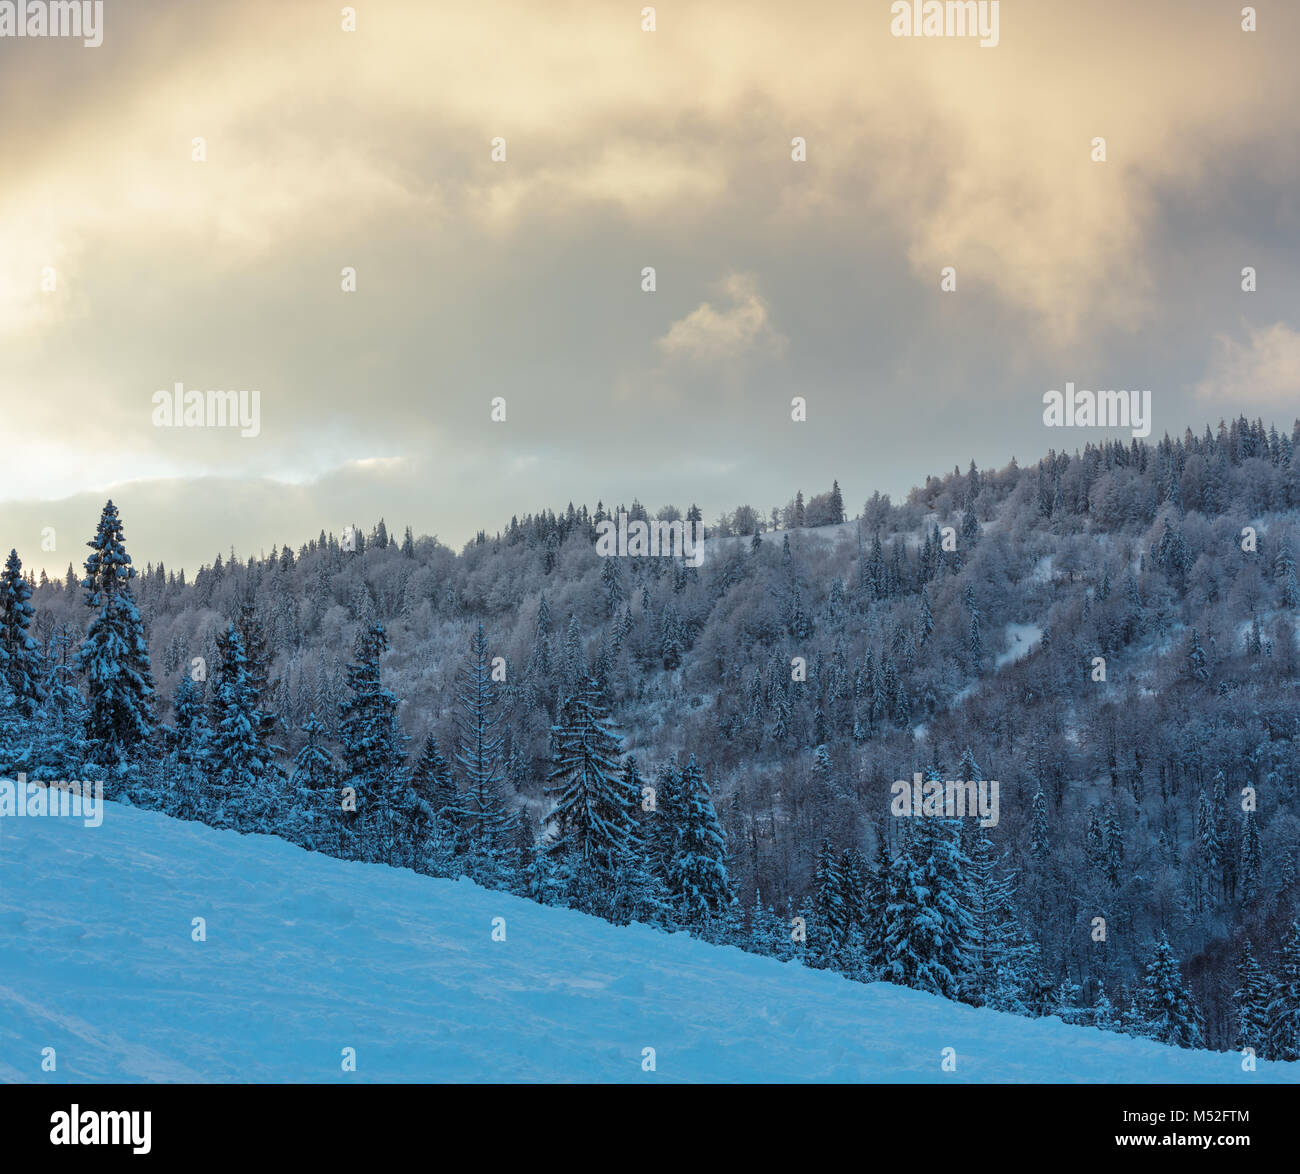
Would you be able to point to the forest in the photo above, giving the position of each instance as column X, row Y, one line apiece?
column 1110, row 634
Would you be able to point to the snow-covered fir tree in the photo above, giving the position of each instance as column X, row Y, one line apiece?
column 114, row 657
column 698, row 880
column 1165, row 1009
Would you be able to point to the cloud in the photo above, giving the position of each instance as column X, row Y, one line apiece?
column 1264, row 369
column 521, row 278
column 708, row 335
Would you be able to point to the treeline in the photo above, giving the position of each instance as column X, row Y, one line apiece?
column 1109, row 633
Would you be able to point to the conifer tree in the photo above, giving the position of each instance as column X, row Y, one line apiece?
column 1284, row 1009
column 766, row 932
column 253, row 637
column 1103, row 1014
column 193, row 749
column 61, row 747
column 19, row 655
column 313, row 766
column 486, row 822
column 432, row 782
column 374, row 754
column 315, row 817
column 1197, row 666
column 828, row 881
column 1001, row 959
column 698, row 880
column 1040, row 842
column 837, row 503
column 114, row 657
column 875, row 897
column 592, row 817
column 1114, row 846
column 928, row 922
column 238, row 760
column 1252, row 857
column 661, row 827
column 1251, row 1001
column 1094, row 841
column 853, row 871
column 1165, row 1010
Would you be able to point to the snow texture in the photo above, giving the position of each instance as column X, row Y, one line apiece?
column 307, row 955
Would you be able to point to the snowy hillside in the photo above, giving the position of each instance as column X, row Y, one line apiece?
column 307, row 955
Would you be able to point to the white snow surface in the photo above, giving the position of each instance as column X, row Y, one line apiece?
column 307, row 955
column 1021, row 640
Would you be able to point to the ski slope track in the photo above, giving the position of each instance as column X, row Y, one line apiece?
column 307, row 955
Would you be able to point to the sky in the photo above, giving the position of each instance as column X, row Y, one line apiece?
column 128, row 265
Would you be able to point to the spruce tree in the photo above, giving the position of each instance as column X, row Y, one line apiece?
column 928, row 922
column 1103, row 1014
column 832, row 913
column 1165, row 1010
column 313, row 766
column 853, row 872
column 373, row 754
column 114, row 657
column 1252, row 857
column 766, row 931
column 1250, row 1002
column 592, row 817
column 837, row 503
column 239, row 759
column 1284, row 1009
column 20, row 659
column 1040, row 841
column 1114, row 847
column 315, row 818
column 432, row 782
column 188, row 718
column 698, row 879
column 1001, row 958
column 60, row 728
column 487, row 825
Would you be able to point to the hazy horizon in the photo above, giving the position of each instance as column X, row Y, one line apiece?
column 128, row 265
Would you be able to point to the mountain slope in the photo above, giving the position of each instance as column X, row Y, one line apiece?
column 307, row 955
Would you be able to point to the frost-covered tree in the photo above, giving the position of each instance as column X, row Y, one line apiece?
column 1251, row 1001
column 60, row 729
column 313, row 765
column 592, row 818
column 1002, row 959
column 1284, row 1009
column 1040, row 844
column 373, row 752
column 114, row 657
column 432, row 782
column 927, row 920
column 832, row 913
column 20, row 658
column 1165, row 1009
column 486, row 822
column 1252, row 857
column 1197, row 664
column 698, row 880
column 239, row 760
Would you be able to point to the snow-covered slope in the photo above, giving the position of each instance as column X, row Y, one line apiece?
column 306, row 956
